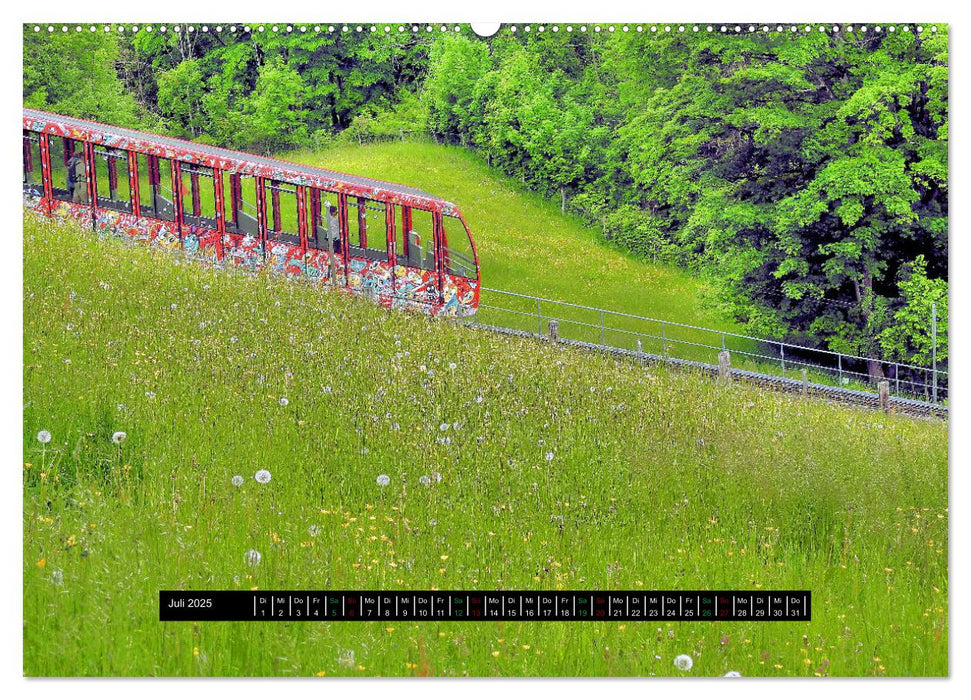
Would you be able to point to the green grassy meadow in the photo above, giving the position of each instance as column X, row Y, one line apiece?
column 525, row 243
column 558, row 469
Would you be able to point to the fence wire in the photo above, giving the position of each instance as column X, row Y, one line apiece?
column 853, row 378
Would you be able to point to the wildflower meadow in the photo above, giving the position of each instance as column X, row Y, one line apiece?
column 196, row 428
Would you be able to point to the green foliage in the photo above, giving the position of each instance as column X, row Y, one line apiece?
column 273, row 113
column 456, row 65
column 796, row 173
column 180, row 100
column 405, row 119
column 74, row 73
column 911, row 338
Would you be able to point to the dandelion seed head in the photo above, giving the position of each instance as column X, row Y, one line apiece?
column 263, row 476
column 284, row 401
column 383, row 480
column 253, row 557
column 733, row 674
column 43, row 437
column 683, row 662
column 238, row 480
column 119, row 437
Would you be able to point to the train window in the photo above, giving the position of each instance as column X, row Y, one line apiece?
column 33, row 174
column 369, row 231
column 62, row 150
column 282, row 221
column 323, row 212
column 111, row 178
column 416, row 229
column 457, row 248
column 198, row 196
column 155, row 194
column 239, row 201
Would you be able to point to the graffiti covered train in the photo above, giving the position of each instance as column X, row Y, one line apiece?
column 403, row 246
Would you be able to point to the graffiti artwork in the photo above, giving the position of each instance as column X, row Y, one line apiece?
column 230, row 208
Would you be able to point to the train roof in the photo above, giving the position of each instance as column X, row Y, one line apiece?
column 224, row 157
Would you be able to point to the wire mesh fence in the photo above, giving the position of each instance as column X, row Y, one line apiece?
column 679, row 341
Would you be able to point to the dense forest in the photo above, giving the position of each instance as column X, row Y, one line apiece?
column 804, row 173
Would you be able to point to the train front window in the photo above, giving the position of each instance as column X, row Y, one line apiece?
column 198, row 196
column 111, row 179
column 62, row 150
column 33, row 174
column 324, row 220
column 415, row 238
column 457, row 248
column 239, row 200
column 282, row 219
column 367, row 221
column 155, row 195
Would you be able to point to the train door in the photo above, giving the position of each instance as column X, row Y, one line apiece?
column 415, row 272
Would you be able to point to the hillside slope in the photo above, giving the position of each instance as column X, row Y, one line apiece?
column 511, row 464
column 525, row 244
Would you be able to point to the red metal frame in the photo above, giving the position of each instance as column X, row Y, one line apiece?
column 449, row 293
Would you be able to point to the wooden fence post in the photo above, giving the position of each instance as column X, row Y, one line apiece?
column 883, row 394
column 724, row 366
column 805, row 382
column 554, row 327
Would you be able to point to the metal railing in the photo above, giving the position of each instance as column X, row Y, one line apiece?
column 670, row 340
